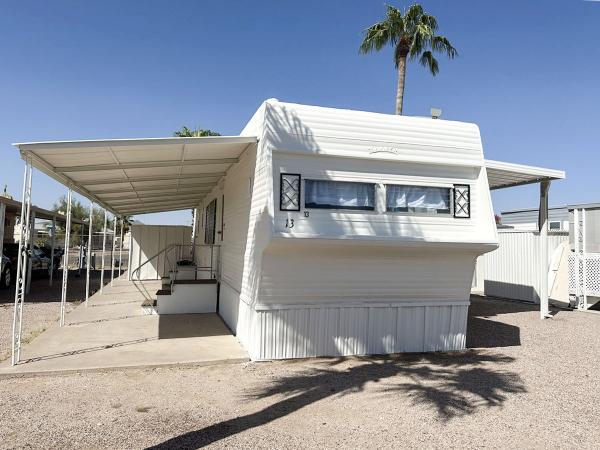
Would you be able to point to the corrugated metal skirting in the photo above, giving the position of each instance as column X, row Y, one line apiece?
column 343, row 331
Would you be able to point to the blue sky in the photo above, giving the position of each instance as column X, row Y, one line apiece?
column 527, row 74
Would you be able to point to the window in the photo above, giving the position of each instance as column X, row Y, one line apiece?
column 210, row 222
column 418, row 199
column 339, row 195
column 554, row 226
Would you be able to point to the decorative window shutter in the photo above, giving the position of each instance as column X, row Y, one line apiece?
column 289, row 187
column 462, row 201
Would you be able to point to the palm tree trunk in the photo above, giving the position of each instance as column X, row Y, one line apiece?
column 400, row 89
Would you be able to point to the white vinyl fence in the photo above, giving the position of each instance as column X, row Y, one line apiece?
column 147, row 245
column 515, row 270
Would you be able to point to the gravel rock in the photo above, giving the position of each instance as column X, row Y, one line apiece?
column 524, row 383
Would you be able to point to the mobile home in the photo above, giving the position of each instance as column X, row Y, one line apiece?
column 350, row 232
column 317, row 231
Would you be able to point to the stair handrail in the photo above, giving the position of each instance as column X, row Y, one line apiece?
column 214, row 267
column 136, row 272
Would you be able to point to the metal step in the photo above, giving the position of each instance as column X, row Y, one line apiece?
column 165, row 291
column 149, row 307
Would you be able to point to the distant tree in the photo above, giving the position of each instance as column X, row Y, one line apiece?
column 198, row 132
column 82, row 212
column 413, row 36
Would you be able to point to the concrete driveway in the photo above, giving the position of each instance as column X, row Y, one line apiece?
column 112, row 332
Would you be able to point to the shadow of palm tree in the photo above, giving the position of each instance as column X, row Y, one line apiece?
column 454, row 384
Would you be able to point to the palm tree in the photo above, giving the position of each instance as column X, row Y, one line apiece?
column 199, row 132
column 413, row 36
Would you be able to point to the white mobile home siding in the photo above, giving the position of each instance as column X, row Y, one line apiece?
column 322, row 287
column 233, row 213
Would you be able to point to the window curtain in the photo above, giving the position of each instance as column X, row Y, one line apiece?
column 418, row 199
column 339, row 195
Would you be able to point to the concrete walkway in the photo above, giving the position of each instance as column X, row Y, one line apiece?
column 112, row 332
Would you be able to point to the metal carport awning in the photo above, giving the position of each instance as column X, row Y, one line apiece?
column 503, row 175
column 125, row 177
column 136, row 176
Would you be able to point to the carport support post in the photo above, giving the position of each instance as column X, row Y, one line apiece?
column 21, row 264
column 114, row 250
column 80, row 262
column 52, row 246
column 543, row 229
column 88, row 258
column 63, row 297
column 31, row 243
column 121, row 249
column 103, row 247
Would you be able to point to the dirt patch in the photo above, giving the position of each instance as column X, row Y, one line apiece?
column 42, row 306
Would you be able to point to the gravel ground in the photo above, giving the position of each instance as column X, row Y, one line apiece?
column 528, row 384
column 42, row 306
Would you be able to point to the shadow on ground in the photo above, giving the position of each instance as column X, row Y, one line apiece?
column 42, row 292
column 176, row 326
column 484, row 331
column 454, row 384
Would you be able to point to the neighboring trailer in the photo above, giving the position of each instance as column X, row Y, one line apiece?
column 527, row 219
column 302, row 279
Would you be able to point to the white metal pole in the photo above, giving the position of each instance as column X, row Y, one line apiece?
column 543, row 228
column 28, row 244
column 52, row 246
column 121, row 249
column 129, row 253
column 80, row 262
column 584, row 257
column 63, row 298
column 113, row 251
column 576, row 231
column 21, row 265
column 89, row 254
column 30, row 247
column 103, row 247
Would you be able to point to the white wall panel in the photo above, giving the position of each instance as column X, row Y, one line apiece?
column 296, row 272
column 148, row 240
column 515, row 270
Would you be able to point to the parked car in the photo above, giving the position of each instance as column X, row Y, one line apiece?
column 40, row 263
column 6, row 272
column 58, row 253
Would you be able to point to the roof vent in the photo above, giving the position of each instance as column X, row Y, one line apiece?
column 435, row 113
